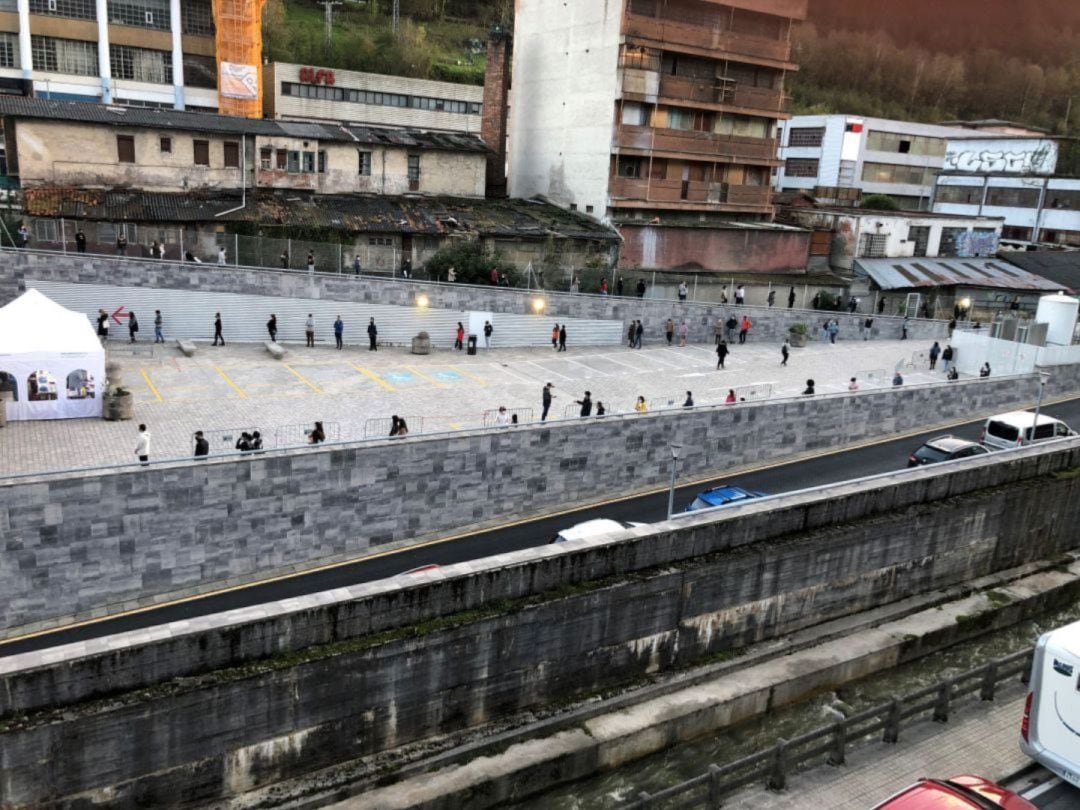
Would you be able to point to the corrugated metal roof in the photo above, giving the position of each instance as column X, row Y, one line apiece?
column 900, row 274
column 1057, row 265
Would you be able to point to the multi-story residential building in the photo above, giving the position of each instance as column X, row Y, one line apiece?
column 659, row 116
column 148, row 53
column 1013, row 178
column 302, row 93
column 838, row 157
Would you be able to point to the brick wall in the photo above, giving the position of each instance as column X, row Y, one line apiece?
column 496, row 97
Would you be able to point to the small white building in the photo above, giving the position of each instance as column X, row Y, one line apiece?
column 835, row 157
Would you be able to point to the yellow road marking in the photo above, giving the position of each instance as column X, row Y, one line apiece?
column 533, row 519
column 232, row 385
column 375, row 378
column 303, row 379
column 472, row 377
column 150, row 384
column 424, row 376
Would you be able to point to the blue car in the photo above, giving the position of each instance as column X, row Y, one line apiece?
column 722, row 496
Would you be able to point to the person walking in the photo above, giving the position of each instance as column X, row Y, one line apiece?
column 684, row 333
column 459, row 337
column 395, row 425
column 103, row 326
column 562, row 338
column 791, row 298
column 669, row 330
column 785, row 352
column 555, row 337
column 630, row 333
column 159, row 336
column 133, row 326
column 682, row 291
column 947, row 357
column 834, row 330
column 935, row 353
column 689, row 403
column 339, row 333
column 545, row 400
column 202, row 446
column 221, row 255
column 721, row 354
column 772, row 298
column 640, row 406
column 218, row 336
column 853, row 386
column 80, row 241
column 488, row 330
column 121, row 244
column 641, row 288
column 311, row 262
column 142, row 446
column 744, row 329
column 731, row 325
column 309, row 330
column 585, row 403
column 402, row 428
column 271, row 327
column 638, row 332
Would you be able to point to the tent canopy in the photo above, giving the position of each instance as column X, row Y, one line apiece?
column 35, row 324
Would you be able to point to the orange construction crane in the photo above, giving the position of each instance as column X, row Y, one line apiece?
column 239, row 56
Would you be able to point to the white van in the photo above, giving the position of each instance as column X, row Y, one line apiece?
column 594, row 528
column 1008, row 430
column 1050, row 730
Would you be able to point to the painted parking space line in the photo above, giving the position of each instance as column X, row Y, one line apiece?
column 399, row 377
column 151, row 386
column 548, row 372
column 239, row 391
column 375, row 378
column 517, row 376
column 445, row 375
column 302, row 378
column 470, row 376
column 425, row 377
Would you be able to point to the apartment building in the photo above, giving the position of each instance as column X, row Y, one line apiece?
column 145, row 53
column 837, row 158
column 659, row 116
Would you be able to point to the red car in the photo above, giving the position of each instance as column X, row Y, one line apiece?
column 958, row 793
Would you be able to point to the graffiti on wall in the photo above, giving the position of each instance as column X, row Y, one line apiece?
column 983, row 157
column 975, row 244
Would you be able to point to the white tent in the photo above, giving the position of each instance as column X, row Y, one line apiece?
column 51, row 363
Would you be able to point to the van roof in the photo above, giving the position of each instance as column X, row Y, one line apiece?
column 1065, row 639
column 1022, row 418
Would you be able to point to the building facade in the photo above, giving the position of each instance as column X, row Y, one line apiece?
column 146, row 53
column 303, row 93
column 838, row 157
column 658, row 113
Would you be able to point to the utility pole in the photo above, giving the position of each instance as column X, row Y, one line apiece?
column 329, row 6
column 395, row 16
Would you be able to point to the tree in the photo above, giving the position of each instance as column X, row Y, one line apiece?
column 879, row 202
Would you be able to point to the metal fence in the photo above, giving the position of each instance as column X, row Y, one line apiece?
column 296, row 435
column 524, row 416
column 380, row 427
column 830, row 743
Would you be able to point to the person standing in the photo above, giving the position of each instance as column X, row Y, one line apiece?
column 641, row 288
column 217, row 329
column 638, row 332
column 502, row 418
column 545, row 399
column 772, row 298
column 562, row 338
column 631, row 333
column 834, row 329
column 103, row 325
column 640, row 406
column 317, row 435
column 356, row 264
column 947, row 357
column 689, row 403
column 740, row 295
column 395, row 425
column 785, row 352
column 935, row 353
column 603, row 285
column 221, row 255
column 730, row 326
column 159, row 335
column 23, row 236
column 311, row 262
column 600, row 409
column 459, row 337
column 271, row 327
column 133, row 326
column 154, row 249
column 80, row 241
column 142, row 446
column 868, row 326
column 730, row 399
column 373, row 336
column 881, row 306
column 669, row 330
column 721, row 354
column 904, row 328
column 585, row 403
column 202, row 446
column 284, row 260
column 853, row 386
column 718, row 331
column 682, row 291
column 744, row 329
column 619, row 286
column 488, row 330
column 791, row 298
column 309, row 331
column 339, row 333
column 555, row 337
column 121, row 244
column 684, row 332
column 952, row 327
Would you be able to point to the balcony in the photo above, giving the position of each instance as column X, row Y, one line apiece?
column 677, row 192
column 684, row 142
column 672, row 33
column 719, row 91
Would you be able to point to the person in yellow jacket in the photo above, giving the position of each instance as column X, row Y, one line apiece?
column 640, row 405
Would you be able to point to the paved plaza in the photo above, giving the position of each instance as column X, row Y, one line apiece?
column 225, row 390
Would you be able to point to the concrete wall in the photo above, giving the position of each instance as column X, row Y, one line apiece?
column 719, row 248
column 474, row 643
column 769, row 324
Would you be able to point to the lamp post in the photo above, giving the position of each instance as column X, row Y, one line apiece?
column 675, row 450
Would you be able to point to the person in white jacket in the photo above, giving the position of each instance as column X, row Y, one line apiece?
column 142, row 447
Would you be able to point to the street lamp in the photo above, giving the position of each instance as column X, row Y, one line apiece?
column 538, row 305
column 965, row 306
column 422, row 301
column 1043, row 378
column 675, row 450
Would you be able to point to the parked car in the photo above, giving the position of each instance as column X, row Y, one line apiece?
column 958, row 793
column 945, row 448
column 722, row 496
column 593, row 528
column 1018, row 428
column 419, row 570
column 1049, row 731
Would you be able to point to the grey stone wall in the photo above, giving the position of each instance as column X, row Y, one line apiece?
column 78, row 545
column 769, row 324
column 505, row 635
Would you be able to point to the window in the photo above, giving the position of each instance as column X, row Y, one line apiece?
column 375, row 98
column 9, row 49
column 125, row 148
column 232, row 155
column 920, row 236
column 588, row 209
column 1063, row 198
column 80, row 384
column 905, row 144
column 365, row 164
column 873, row 246
column 197, row 17
column 744, row 126
column 166, row 146
column 140, row 13
column 639, row 58
column 141, row 64
column 895, row 174
column 801, row 167
column 294, row 161
column 64, row 56
column 309, row 162
column 266, row 158
column 46, row 230
column 75, row 9
column 202, row 152
column 200, row 71
column 806, row 136
column 950, row 241
column 282, row 160
column 414, row 172
column 629, row 167
column 322, row 161
column 41, row 387
column 109, row 231
column 634, row 114
column 964, row 195
column 1013, row 197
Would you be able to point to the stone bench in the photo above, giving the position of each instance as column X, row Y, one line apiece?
column 187, row 347
column 275, row 350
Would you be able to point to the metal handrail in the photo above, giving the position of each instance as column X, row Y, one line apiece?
column 774, row 764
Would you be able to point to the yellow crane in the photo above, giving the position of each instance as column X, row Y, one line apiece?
column 239, row 56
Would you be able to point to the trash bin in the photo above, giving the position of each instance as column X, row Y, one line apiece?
column 471, row 345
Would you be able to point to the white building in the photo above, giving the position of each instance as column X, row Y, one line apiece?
column 835, row 157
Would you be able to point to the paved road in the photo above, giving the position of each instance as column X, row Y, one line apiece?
column 883, row 457
column 1044, row 790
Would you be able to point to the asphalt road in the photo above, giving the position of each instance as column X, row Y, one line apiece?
column 887, row 456
column 1045, row 790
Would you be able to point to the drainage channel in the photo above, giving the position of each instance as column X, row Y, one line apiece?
column 611, row 790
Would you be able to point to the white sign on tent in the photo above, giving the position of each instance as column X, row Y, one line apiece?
column 52, row 365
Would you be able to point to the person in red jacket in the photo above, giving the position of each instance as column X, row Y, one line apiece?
column 459, row 344
column 744, row 329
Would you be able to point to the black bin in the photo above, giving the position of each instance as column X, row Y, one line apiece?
column 471, row 345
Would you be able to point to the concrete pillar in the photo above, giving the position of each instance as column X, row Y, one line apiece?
column 26, row 57
column 104, row 66
column 177, row 53
column 493, row 120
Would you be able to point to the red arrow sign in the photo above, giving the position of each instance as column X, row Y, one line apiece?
column 119, row 311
